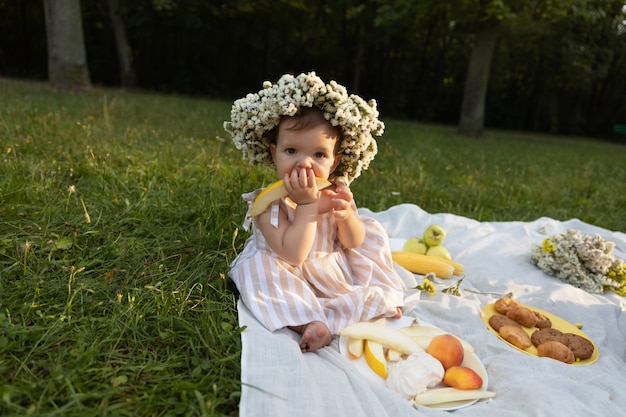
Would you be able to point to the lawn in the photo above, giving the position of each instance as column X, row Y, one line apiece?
column 120, row 212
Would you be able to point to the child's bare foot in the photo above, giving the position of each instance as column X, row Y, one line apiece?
column 398, row 313
column 315, row 335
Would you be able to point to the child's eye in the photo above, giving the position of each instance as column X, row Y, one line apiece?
column 290, row 151
column 320, row 155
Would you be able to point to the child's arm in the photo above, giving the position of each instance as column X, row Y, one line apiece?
column 292, row 242
column 350, row 228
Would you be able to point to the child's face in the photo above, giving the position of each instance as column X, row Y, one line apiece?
column 313, row 148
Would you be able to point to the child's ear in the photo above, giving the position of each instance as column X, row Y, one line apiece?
column 273, row 151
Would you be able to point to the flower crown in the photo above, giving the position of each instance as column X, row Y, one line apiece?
column 254, row 115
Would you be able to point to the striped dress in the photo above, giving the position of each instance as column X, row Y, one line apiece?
column 334, row 285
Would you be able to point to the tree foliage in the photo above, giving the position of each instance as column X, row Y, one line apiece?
column 558, row 66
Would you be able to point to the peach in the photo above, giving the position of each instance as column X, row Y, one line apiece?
column 447, row 349
column 462, row 377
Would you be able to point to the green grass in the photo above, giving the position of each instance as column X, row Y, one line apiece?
column 120, row 212
column 502, row 177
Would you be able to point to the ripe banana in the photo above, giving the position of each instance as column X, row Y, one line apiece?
column 275, row 191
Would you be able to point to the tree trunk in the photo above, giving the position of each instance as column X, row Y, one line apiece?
column 67, row 61
column 124, row 51
column 473, row 107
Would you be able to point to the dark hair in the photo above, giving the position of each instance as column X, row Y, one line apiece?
column 306, row 118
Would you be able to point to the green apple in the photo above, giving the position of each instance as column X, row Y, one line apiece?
column 439, row 251
column 434, row 235
column 415, row 245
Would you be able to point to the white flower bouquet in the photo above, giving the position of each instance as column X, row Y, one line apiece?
column 255, row 115
column 584, row 261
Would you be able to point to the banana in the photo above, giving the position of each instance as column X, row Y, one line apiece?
column 448, row 394
column 383, row 334
column 275, row 191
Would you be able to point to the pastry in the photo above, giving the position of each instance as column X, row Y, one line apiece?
column 523, row 316
column 555, row 350
column 504, row 305
column 542, row 321
column 516, row 336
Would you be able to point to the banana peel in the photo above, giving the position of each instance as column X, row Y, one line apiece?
column 383, row 334
column 424, row 334
column 449, row 394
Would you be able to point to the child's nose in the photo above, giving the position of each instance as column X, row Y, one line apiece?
column 305, row 162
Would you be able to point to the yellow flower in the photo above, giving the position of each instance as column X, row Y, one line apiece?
column 427, row 286
column 548, row 246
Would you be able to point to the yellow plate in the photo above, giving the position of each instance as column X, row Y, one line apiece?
column 557, row 323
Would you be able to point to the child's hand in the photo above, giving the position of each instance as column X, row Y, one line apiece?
column 301, row 186
column 341, row 201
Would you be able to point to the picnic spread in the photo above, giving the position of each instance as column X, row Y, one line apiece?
column 502, row 260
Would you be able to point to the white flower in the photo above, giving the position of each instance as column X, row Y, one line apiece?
column 582, row 261
column 253, row 116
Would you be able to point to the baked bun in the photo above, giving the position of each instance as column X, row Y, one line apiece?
column 523, row 316
column 542, row 321
column 555, row 350
column 516, row 336
column 504, row 305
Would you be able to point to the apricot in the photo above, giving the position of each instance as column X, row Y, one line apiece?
column 447, row 349
column 462, row 377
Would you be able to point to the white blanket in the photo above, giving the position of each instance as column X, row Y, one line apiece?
column 278, row 380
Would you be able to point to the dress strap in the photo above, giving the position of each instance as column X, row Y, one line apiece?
column 274, row 209
column 249, row 197
column 274, row 213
